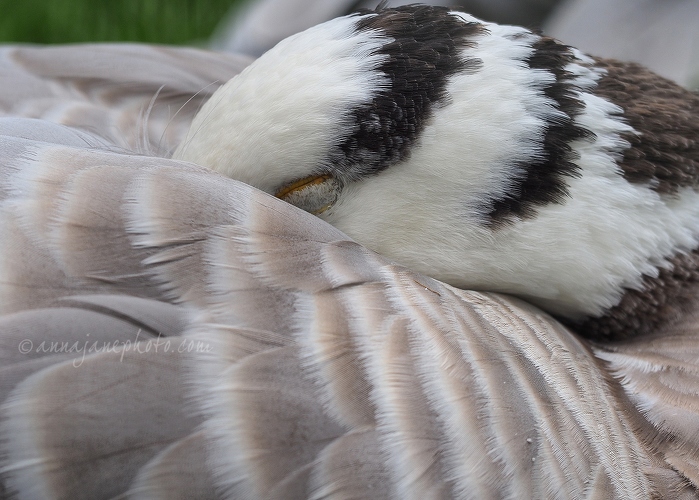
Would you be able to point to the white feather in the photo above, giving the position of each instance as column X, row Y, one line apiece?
column 278, row 120
column 429, row 211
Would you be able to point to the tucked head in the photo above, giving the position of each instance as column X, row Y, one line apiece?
column 485, row 156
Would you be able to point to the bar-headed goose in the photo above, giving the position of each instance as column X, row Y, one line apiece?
column 170, row 332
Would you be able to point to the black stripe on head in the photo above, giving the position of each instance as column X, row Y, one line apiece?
column 543, row 180
column 424, row 53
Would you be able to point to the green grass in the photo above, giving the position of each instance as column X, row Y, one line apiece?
column 71, row 21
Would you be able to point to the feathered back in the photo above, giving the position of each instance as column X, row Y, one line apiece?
column 140, row 98
column 170, row 333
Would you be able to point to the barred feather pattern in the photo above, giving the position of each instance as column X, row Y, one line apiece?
column 224, row 333
column 170, row 333
column 133, row 97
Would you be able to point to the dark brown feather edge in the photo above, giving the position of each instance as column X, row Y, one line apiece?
column 665, row 152
column 661, row 301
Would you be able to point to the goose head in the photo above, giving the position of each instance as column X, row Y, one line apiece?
column 486, row 156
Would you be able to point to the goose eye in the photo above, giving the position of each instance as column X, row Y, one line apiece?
column 313, row 194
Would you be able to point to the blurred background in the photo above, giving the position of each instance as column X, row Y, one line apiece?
column 661, row 34
column 195, row 21
column 70, row 21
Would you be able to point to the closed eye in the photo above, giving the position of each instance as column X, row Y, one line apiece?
column 314, row 194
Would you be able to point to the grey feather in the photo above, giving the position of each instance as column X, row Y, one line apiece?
column 178, row 472
column 298, row 363
column 83, row 428
column 127, row 96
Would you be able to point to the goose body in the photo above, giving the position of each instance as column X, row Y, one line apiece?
column 486, row 156
column 171, row 332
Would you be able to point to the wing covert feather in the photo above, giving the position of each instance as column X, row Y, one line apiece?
column 660, row 376
column 304, row 365
column 137, row 97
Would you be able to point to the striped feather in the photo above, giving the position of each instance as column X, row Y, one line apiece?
column 242, row 348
